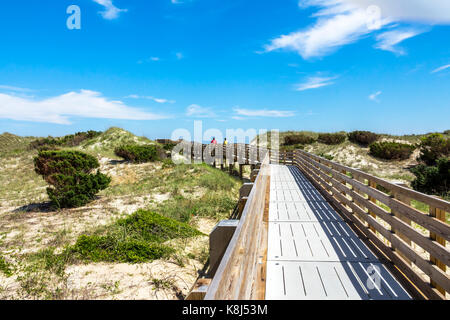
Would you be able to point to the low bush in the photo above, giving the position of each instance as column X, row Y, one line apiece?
column 391, row 150
column 362, row 137
column 433, row 179
column 140, row 153
column 433, row 147
column 69, row 174
column 137, row 238
column 71, row 140
column 332, row 138
column 298, row 139
column 109, row 249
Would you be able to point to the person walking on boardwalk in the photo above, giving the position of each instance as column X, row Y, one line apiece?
column 214, row 141
column 225, row 141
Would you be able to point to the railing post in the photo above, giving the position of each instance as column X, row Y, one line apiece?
column 371, row 199
column 406, row 200
column 361, row 205
column 438, row 214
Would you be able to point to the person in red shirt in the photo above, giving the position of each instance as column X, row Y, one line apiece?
column 214, row 141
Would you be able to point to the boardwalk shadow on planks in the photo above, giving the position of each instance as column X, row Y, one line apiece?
column 336, row 264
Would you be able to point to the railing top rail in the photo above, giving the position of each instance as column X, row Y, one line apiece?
column 430, row 200
column 228, row 283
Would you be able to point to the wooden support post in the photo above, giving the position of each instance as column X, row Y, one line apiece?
column 360, row 179
column 230, row 168
column 253, row 175
column 406, row 200
column 198, row 291
column 241, row 170
column 371, row 199
column 242, row 203
column 438, row 214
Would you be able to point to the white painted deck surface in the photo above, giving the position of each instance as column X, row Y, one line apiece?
column 312, row 253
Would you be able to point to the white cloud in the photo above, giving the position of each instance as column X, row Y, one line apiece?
column 441, row 68
column 194, row 110
column 158, row 100
column 111, row 12
column 179, row 55
column 314, row 83
column 16, row 89
column 374, row 96
column 59, row 109
column 388, row 40
column 261, row 113
column 341, row 22
column 325, row 36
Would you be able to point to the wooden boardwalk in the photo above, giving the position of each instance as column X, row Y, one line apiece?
column 312, row 253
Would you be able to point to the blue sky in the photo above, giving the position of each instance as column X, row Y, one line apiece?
column 154, row 66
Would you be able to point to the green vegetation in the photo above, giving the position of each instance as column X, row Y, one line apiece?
column 139, row 153
column 391, row 150
column 105, row 144
column 364, row 138
column 137, row 238
column 298, row 139
column 326, row 156
column 12, row 145
column 5, row 267
column 433, row 147
column 69, row 174
column 332, row 138
column 70, row 140
column 433, row 179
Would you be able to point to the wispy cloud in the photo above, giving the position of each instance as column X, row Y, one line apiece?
column 441, row 68
column 110, row 10
column 179, row 55
column 194, row 110
column 341, row 22
column 388, row 40
column 158, row 100
column 148, row 60
column 261, row 113
column 59, row 109
column 314, row 83
column 16, row 89
column 374, row 96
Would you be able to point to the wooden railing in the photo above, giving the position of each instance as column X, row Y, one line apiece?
column 410, row 241
column 240, row 275
column 415, row 242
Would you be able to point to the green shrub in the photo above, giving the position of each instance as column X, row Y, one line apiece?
column 71, row 140
column 433, row 179
column 433, row 147
column 362, row 137
column 332, row 138
column 298, row 139
column 69, row 173
column 110, row 249
column 137, row 238
column 391, row 150
column 140, row 153
column 150, row 226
